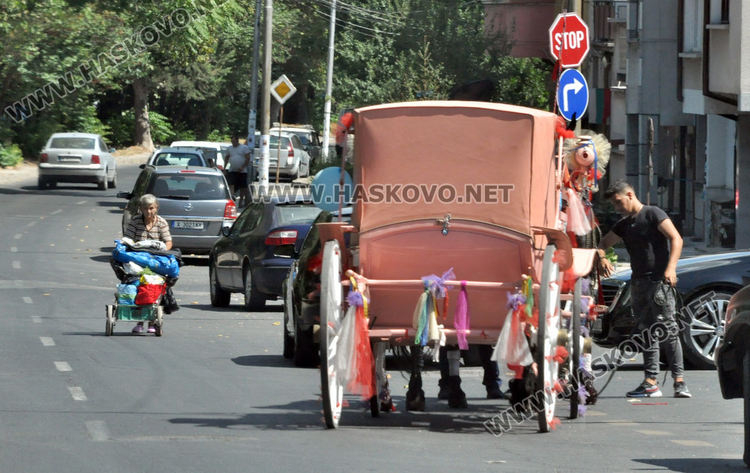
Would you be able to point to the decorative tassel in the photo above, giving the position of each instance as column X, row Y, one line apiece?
column 361, row 374
column 461, row 321
column 557, row 387
column 528, row 291
column 417, row 320
column 554, row 423
column 561, row 354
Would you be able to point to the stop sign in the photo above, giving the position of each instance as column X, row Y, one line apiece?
column 569, row 39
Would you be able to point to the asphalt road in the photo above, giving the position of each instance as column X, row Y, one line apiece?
column 214, row 394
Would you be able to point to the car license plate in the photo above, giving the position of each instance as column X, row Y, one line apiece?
column 188, row 224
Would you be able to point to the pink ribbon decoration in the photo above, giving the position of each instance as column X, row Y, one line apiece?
column 437, row 284
column 461, row 321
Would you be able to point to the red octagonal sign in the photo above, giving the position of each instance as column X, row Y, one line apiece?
column 569, row 39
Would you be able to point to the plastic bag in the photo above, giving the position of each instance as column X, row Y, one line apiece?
column 149, row 294
column 152, row 279
column 578, row 222
column 512, row 347
column 126, row 293
column 132, row 268
column 166, row 265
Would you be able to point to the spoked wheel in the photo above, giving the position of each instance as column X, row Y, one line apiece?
column 109, row 327
column 159, row 324
column 547, row 335
column 575, row 356
column 331, row 315
column 378, row 351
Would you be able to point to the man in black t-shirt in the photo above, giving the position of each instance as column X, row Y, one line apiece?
column 654, row 246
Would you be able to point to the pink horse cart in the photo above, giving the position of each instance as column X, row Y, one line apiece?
column 471, row 186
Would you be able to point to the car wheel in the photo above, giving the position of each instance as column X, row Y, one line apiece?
column 103, row 183
column 42, row 183
column 113, row 181
column 254, row 300
column 219, row 297
column 304, row 347
column 288, row 314
column 51, row 183
column 703, row 320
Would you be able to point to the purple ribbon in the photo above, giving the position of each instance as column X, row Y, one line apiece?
column 437, row 284
column 354, row 298
column 515, row 300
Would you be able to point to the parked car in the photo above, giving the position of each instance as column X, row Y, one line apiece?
column 307, row 135
column 195, row 201
column 301, row 291
column 213, row 152
column 77, row 157
column 177, row 157
column 254, row 256
column 705, row 284
column 295, row 161
column 733, row 357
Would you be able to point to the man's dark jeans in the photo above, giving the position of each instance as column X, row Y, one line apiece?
column 654, row 304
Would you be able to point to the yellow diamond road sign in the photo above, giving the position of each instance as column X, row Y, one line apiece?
column 282, row 88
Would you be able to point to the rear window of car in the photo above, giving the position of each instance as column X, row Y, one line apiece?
column 294, row 214
column 177, row 159
column 69, row 142
column 190, row 186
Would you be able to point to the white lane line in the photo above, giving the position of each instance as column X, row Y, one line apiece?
column 693, row 443
column 27, row 300
column 63, row 366
column 56, row 212
column 98, row 430
column 31, row 224
column 36, row 319
column 77, row 393
column 651, row 432
column 47, row 341
column 16, row 265
column 81, row 202
column 13, row 249
column 18, row 236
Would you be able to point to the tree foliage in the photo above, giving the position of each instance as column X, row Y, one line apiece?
column 116, row 62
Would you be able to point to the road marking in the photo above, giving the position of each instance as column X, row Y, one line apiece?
column 47, row 341
column 98, row 430
column 77, row 393
column 81, row 202
column 36, row 319
column 18, row 236
column 27, row 300
column 652, row 432
column 185, row 438
column 693, row 443
column 63, row 366
column 13, row 249
column 16, row 265
column 624, row 423
column 31, row 224
column 56, row 212
column 590, row 412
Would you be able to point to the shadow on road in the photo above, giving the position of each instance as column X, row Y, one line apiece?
column 695, row 465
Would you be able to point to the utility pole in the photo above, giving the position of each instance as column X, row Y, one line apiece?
column 252, row 117
column 329, row 84
column 266, row 125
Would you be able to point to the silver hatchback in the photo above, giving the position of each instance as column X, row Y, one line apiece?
column 77, row 157
column 195, row 202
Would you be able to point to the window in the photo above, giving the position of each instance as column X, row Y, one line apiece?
column 294, row 214
column 69, row 142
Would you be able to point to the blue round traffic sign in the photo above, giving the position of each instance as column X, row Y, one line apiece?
column 572, row 94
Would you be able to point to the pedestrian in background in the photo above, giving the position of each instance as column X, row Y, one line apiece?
column 654, row 246
column 239, row 164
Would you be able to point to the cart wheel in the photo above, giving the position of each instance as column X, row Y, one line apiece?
column 159, row 323
column 379, row 378
column 549, row 325
column 110, row 321
column 575, row 364
column 331, row 316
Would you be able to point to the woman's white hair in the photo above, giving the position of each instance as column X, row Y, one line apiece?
column 146, row 200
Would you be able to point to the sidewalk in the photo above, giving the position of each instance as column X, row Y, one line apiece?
column 27, row 170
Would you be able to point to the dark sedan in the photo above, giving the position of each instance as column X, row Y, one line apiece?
column 302, row 296
column 253, row 257
column 705, row 284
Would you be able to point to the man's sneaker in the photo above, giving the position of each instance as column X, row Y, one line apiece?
column 646, row 389
column 681, row 390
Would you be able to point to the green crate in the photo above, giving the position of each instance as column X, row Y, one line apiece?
column 136, row 312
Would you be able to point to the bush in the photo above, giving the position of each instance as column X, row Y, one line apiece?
column 10, row 155
column 123, row 128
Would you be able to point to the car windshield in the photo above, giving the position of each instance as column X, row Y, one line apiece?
column 73, row 143
column 190, row 186
column 294, row 214
column 303, row 137
column 273, row 142
column 177, row 159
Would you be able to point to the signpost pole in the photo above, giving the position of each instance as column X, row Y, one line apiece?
column 278, row 148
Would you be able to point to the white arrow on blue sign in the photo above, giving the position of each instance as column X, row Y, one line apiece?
column 572, row 94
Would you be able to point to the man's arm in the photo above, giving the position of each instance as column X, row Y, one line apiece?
column 609, row 240
column 667, row 228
